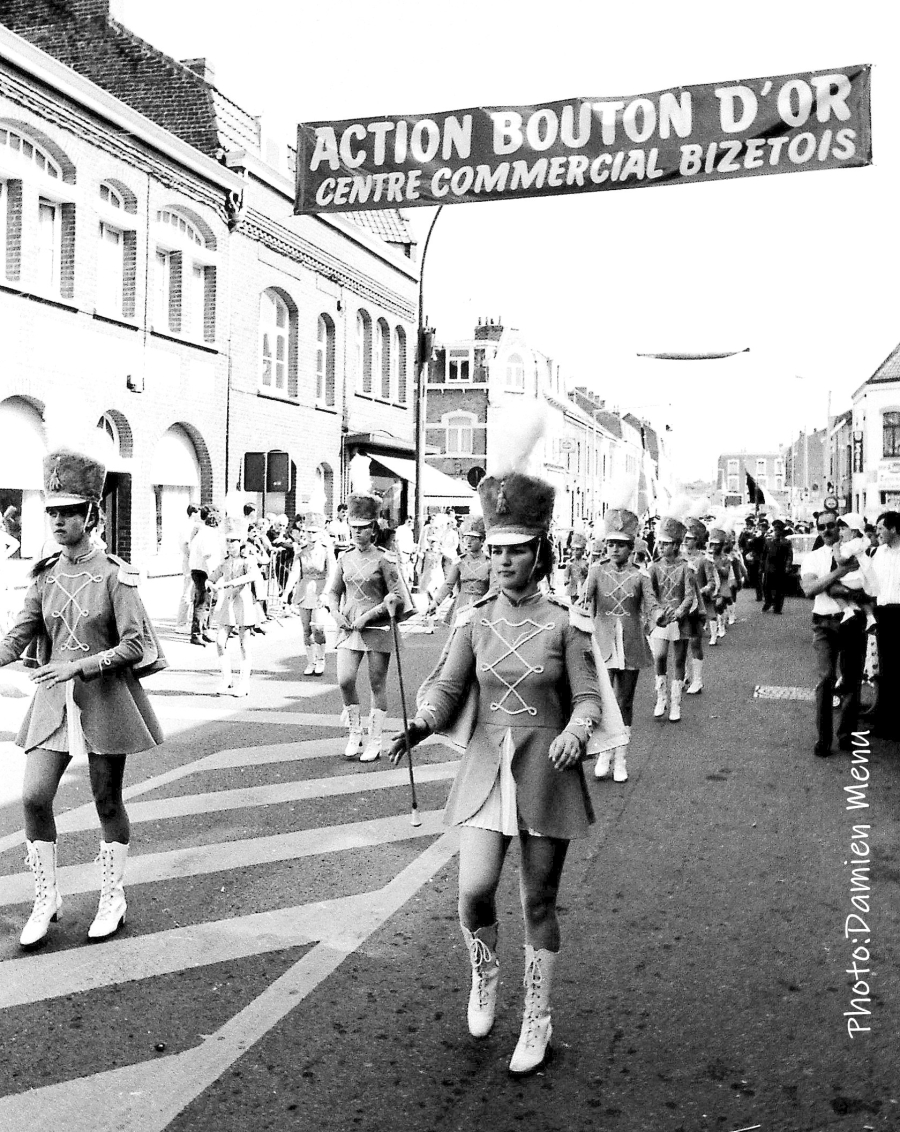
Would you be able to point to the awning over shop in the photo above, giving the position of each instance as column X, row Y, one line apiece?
column 436, row 486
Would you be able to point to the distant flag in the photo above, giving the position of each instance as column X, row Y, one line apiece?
column 695, row 357
column 754, row 492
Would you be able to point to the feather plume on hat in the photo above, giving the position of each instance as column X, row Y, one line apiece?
column 517, row 504
column 527, row 426
column 672, row 523
column 620, row 519
column 315, row 508
column 363, row 504
column 698, row 508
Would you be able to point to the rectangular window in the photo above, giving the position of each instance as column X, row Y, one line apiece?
column 779, row 483
column 197, row 302
column 47, row 257
column 762, row 480
column 459, row 436
column 760, row 467
column 733, row 488
column 162, row 289
column 459, row 365
column 733, row 467
column 110, row 269
column 778, row 466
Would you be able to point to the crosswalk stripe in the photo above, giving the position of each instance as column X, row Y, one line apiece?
column 172, row 707
column 146, row 868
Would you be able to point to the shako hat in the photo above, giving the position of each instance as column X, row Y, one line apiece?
column 717, row 534
column 620, row 525
column 362, row 509
column 670, row 527
column 696, row 527
column 71, row 478
column 516, row 508
column 578, row 540
column 474, row 526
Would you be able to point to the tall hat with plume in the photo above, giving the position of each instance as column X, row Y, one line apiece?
column 75, row 466
column 517, row 507
column 579, row 541
column 693, row 519
column 671, row 525
column 722, row 526
column 363, row 505
column 474, row 526
column 620, row 523
column 314, row 517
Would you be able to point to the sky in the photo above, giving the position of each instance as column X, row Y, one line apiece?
column 799, row 267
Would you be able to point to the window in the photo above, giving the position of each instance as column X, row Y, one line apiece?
column 762, row 480
column 778, row 466
column 891, row 434
column 733, row 467
column 190, row 287
column 162, row 280
column 381, row 363
column 110, row 269
column 274, row 331
column 459, row 365
column 48, row 250
column 27, row 150
column 779, row 483
column 760, row 467
column 515, row 373
column 733, row 488
column 398, row 359
column 459, row 434
column 325, row 362
column 363, row 352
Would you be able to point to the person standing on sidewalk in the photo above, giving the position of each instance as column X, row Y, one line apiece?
column 886, row 567
column 518, row 687
column 206, row 554
column 620, row 600
column 835, row 641
column 84, row 628
column 365, row 587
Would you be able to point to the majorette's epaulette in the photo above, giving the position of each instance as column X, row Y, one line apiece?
column 465, row 616
column 128, row 575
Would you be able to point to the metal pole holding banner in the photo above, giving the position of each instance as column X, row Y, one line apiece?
column 423, row 353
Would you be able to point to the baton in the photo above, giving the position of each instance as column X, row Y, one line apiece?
column 414, row 818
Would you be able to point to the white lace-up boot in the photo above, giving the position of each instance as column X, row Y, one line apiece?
column 318, row 659
column 310, row 660
column 224, row 688
column 675, row 709
column 373, row 746
column 620, row 772
column 533, row 1048
column 111, row 909
column 41, row 860
column 662, row 697
column 713, row 631
column 354, row 723
column 482, row 947
column 720, row 625
column 696, row 685
column 601, row 770
column 730, row 614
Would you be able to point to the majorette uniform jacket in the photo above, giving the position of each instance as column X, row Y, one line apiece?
column 89, row 608
column 363, row 580
column 521, row 671
column 675, row 587
column 474, row 581
column 621, row 602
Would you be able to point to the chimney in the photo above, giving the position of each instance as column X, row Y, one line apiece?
column 203, row 68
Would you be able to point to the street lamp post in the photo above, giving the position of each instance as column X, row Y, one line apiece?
column 423, row 353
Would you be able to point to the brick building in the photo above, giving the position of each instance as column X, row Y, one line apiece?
column 875, row 441
column 767, row 470
column 154, row 284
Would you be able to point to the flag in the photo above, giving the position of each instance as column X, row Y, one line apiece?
column 754, row 492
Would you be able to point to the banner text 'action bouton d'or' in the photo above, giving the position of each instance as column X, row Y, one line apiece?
column 752, row 127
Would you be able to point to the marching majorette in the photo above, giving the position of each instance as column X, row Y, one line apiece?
column 714, row 574
column 470, row 577
column 313, row 560
column 675, row 589
column 738, row 575
column 86, row 632
column 517, row 689
column 235, row 610
column 577, row 567
column 692, row 550
column 621, row 601
column 365, row 587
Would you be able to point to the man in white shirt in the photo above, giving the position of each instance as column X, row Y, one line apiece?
column 405, row 541
column 206, row 552
column 834, row 640
column 886, row 567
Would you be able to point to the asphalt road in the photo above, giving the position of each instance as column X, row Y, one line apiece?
column 292, row 957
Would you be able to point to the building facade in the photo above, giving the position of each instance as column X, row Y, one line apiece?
column 767, row 470
column 155, row 287
column 875, row 441
column 807, row 462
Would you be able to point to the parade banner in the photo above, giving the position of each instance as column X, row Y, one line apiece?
column 745, row 128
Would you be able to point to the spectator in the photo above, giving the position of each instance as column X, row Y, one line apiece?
column 207, row 553
column 778, row 556
column 886, row 567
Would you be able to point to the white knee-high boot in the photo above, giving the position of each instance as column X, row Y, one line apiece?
column 675, row 710
column 696, row 685
column 620, row 772
column 318, row 659
column 533, row 1047
column 111, row 909
column 354, row 723
column 47, row 900
column 310, row 660
column 224, row 689
column 373, row 746
column 662, row 697
column 713, row 630
column 482, row 945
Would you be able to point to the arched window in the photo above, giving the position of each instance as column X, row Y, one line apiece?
column 325, row 362
column 274, row 340
column 363, row 352
column 515, row 372
column 891, row 434
column 184, row 277
column 398, row 359
column 460, row 433
column 116, row 255
column 382, row 366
